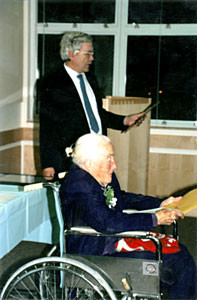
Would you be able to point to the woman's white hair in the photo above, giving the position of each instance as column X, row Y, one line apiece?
column 88, row 146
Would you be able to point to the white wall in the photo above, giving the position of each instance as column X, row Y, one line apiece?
column 11, row 63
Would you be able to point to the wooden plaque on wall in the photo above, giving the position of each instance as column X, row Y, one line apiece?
column 131, row 147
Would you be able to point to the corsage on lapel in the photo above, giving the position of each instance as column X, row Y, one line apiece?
column 109, row 194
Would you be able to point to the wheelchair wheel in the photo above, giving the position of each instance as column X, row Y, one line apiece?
column 57, row 278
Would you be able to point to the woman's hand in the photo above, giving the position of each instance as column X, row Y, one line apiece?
column 168, row 216
column 170, row 200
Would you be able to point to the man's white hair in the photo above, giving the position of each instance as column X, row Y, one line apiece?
column 72, row 40
column 89, row 146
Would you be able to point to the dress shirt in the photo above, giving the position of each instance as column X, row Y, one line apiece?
column 73, row 74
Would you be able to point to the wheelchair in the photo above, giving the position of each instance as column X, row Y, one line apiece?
column 79, row 277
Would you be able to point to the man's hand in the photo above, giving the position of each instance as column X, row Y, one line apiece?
column 170, row 200
column 135, row 119
column 168, row 216
column 48, row 173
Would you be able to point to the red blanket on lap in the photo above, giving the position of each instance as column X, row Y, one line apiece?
column 169, row 244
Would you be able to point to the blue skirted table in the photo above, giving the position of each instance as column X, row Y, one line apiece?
column 29, row 216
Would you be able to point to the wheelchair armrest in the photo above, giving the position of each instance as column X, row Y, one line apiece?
column 91, row 231
column 85, row 230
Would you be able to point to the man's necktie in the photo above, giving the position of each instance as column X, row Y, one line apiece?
column 92, row 119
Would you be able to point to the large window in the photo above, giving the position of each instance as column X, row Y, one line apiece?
column 163, row 11
column 142, row 48
column 164, row 69
column 86, row 11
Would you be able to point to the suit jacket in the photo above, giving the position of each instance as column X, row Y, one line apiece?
column 84, row 204
column 62, row 117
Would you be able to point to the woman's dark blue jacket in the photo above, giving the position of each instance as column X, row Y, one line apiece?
column 84, row 204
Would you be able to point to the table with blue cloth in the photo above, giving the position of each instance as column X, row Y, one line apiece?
column 28, row 216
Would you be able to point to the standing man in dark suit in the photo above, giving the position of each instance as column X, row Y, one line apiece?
column 64, row 114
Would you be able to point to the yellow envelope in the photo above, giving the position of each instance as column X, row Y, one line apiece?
column 187, row 204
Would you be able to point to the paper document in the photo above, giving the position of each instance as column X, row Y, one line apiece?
column 147, row 211
column 188, row 204
column 150, row 107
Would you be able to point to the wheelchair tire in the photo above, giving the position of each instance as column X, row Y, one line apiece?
column 57, row 278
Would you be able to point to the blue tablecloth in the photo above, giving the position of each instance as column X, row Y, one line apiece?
column 27, row 216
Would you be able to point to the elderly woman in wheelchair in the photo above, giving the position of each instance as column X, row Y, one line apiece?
column 91, row 196
column 109, row 253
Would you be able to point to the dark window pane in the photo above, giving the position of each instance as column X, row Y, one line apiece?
column 166, row 70
column 103, row 63
column 49, row 58
column 48, row 53
column 76, row 11
column 162, row 11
